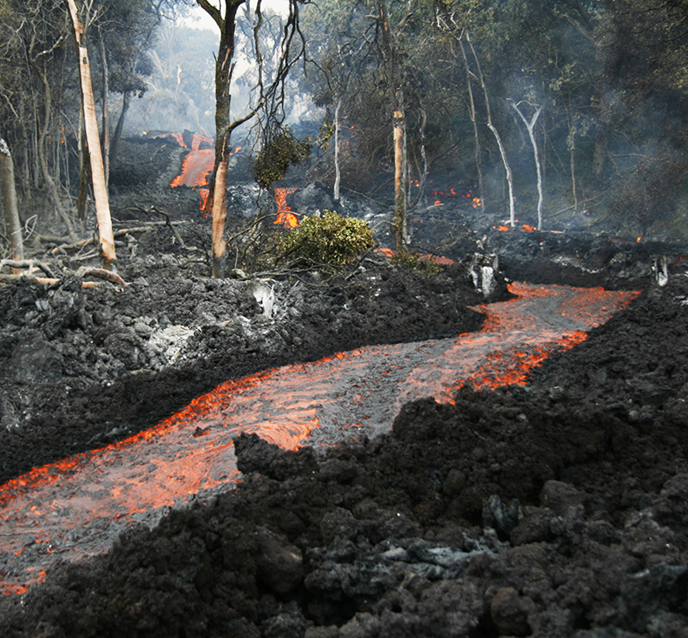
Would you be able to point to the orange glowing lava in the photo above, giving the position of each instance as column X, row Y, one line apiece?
column 197, row 165
column 437, row 259
column 284, row 214
column 453, row 194
column 76, row 507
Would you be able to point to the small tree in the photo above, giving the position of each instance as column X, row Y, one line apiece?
column 270, row 96
column 107, row 241
column 10, row 200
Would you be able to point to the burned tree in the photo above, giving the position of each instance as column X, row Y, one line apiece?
column 270, row 96
column 107, row 241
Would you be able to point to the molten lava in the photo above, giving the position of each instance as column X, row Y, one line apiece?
column 197, row 165
column 452, row 194
column 77, row 507
column 285, row 216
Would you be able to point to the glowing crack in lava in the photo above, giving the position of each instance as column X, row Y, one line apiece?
column 75, row 508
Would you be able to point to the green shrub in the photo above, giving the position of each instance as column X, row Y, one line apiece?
column 330, row 239
column 412, row 261
column 281, row 153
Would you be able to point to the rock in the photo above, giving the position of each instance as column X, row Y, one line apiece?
column 454, row 483
column 36, row 361
column 671, row 506
column 339, row 523
column 501, row 517
column 559, row 497
column 279, row 564
column 645, row 593
column 315, row 197
column 509, row 612
column 533, row 528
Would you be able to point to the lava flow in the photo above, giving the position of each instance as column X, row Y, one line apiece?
column 285, row 216
column 197, row 165
column 77, row 507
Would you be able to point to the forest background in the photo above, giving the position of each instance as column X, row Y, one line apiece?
column 554, row 107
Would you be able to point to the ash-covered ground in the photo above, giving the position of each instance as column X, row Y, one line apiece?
column 555, row 509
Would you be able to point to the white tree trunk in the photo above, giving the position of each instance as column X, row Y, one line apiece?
column 107, row 241
column 10, row 198
column 495, row 132
column 538, row 167
column 337, row 168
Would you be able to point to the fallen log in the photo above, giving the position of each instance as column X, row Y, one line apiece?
column 101, row 273
column 31, row 264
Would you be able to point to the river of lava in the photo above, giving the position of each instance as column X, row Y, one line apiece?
column 77, row 507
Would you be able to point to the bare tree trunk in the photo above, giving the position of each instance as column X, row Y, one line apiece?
column 224, row 67
column 219, row 217
column 398, row 121
column 10, row 199
column 472, row 116
column 423, row 154
column 107, row 241
column 105, row 125
column 538, row 166
column 400, row 173
column 117, row 136
column 42, row 153
column 495, row 132
column 337, row 168
column 571, row 143
column 226, row 17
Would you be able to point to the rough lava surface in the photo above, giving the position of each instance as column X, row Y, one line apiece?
column 555, row 509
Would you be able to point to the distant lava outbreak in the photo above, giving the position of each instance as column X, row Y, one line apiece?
column 197, row 165
column 76, row 508
column 285, row 216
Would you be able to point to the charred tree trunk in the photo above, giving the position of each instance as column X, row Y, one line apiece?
column 224, row 67
column 424, row 170
column 10, row 199
column 117, row 135
column 400, row 173
column 107, row 242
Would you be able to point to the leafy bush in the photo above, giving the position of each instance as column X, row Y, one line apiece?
column 412, row 261
column 330, row 239
column 278, row 156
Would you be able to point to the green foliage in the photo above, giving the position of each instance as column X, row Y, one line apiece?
column 281, row 153
column 412, row 261
column 330, row 239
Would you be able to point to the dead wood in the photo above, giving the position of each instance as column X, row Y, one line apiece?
column 31, row 264
column 101, row 273
column 46, row 281
column 168, row 222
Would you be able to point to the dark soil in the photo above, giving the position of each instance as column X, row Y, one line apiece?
column 558, row 509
